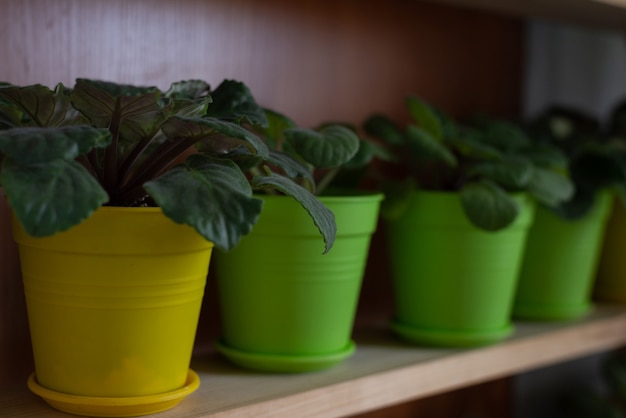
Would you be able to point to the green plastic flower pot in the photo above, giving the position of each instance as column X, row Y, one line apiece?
column 285, row 306
column 560, row 264
column 453, row 283
column 610, row 283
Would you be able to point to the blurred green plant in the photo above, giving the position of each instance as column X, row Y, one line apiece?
column 485, row 162
column 596, row 159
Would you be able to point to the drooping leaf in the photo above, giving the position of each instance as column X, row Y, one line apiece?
column 215, row 195
column 214, row 135
column 37, row 145
column 426, row 117
column 488, row 206
column 232, row 100
column 550, row 187
column 293, row 168
column 331, row 146
column 383, row 128
column 323, row 218
column 51, row 196
column 424, row 146
column 513, row 173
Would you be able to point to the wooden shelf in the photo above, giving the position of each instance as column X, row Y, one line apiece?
column 609, row 14
column 384, row 371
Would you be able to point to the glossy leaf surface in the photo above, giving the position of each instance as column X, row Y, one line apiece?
column 211, row 195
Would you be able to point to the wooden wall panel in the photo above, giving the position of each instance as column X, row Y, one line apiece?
column 315, row 60
column 15, row 352
column 485, row 400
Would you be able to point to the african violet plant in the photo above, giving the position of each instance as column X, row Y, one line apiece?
column 595, row 161
column 330, row 158
column 485, row 162
column 66, row 152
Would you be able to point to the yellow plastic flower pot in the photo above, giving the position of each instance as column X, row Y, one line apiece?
column 113, row 306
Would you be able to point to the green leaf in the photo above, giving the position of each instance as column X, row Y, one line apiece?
column 550, row 187
column 10, row 114
column 278, row 123
column 191, row 108
column 292, row 167
column 38, row 145
column 547, row 156
column 232, row 100
column 218, row 136
column 488, row 206
column 367, row 152
column 49, row 197
column 43, row 106
column 188, row 89
column 469, row 146
column 383, row 128
column 329, row 147
column 323, row 218
column 211, row 195
column 512, row 173
column 134, row 112
column 426, row 117
column 189, row 98
column 504, row 136
column 425, row 146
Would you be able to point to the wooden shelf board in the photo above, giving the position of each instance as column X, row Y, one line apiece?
column 384, row 371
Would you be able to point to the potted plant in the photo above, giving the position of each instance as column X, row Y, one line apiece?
column 565, row 242
column 285, row 306
column 119, row 193
column 610, row 283
column 459, row 202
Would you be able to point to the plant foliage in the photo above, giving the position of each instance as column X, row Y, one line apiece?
column 595, row 163
column 324, row 159
column 66, row 152
column 485, row 161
